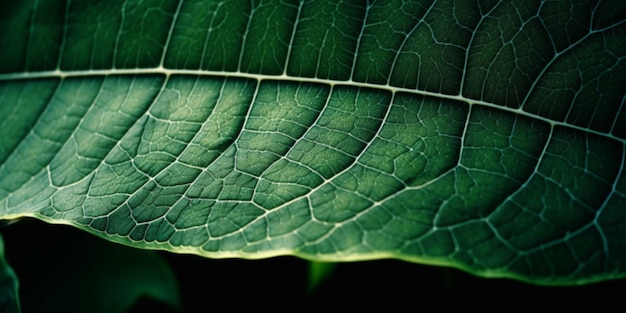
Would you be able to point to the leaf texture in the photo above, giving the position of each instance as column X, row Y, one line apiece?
column 485, row 135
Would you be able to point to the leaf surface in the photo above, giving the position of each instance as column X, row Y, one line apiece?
column 488, row 136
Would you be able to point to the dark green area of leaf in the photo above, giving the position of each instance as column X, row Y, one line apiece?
column 486, row 136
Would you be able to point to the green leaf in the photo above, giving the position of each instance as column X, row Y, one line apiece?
column 70, row 273
column 9, row 295
column 486, row 136
column 318, row 273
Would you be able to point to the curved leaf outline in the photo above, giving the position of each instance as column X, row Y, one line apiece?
column 488, row 136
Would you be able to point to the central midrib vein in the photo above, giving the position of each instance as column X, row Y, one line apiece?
column 261, row 77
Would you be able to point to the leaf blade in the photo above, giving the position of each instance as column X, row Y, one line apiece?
column 218, row 135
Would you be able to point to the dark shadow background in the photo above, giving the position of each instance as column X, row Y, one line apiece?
column 43, row 254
